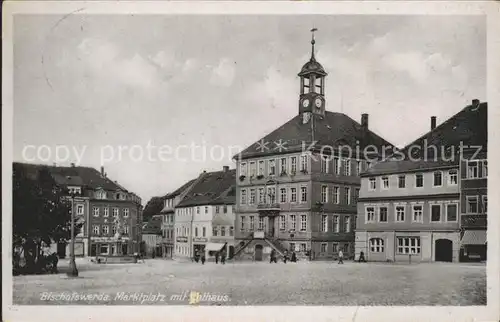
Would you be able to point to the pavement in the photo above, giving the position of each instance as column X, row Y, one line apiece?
column 170, row 282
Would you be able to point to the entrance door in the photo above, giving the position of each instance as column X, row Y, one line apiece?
column 231, row 251
column 61, row 250
column 258, row 252
column 271, row 226
column 124, row 249
column 444, row 250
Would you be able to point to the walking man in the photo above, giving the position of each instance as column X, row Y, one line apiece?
column 223, row 257
column 272, row 257
column 203, row 258
column 361, row 257
column 217, row 258
column 341, row 257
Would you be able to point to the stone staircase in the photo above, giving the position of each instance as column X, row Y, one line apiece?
column 276, row 245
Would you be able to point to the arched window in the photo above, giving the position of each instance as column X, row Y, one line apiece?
column 376, row 245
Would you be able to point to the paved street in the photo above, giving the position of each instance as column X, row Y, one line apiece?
column 245, row 283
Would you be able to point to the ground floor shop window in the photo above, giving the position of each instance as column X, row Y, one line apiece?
column 104, row 249
column 323, row 247
column 377, row 245
column 408, row 245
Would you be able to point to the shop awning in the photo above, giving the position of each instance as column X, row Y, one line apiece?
column 214, row 246
column 474, row 237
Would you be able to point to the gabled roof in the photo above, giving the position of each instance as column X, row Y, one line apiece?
column 469, row 127
column 179, row 190
column 228, row 197
column 73, row 176
column 153, row 227
column 334, row 129
column 209, row 188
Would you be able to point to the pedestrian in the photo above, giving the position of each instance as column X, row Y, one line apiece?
column 272, row 256
column 203, row 258
column 223, row 257
column 294, row 257
column 285, row 256
column 341, row 257
column 196, row 256
column 217, row 258
column 361, row 257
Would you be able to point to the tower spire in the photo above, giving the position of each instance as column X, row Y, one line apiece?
column 312, row 43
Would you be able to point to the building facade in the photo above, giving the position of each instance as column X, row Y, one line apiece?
column 411, row 205
column 298, row 186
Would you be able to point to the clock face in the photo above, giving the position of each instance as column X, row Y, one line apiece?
column 305, row 103
column 318, row 102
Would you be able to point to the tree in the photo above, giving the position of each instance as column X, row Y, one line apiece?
column 153, row 207
column 41, row 213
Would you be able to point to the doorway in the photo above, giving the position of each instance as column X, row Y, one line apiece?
column 258, row 252
column 444, row 250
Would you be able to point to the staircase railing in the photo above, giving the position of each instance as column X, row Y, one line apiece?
column 276, row 244
column 238, row 249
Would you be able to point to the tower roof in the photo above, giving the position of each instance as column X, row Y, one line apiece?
column 312, row 66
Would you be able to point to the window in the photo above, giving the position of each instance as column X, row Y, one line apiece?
column 376, row 245
column 303, row 194
column 272, row 167
column 283, row 165
column 372, row 184
column 106, row 212
column 336, row 166
column 347, row 224
column 347, row 167
column 370, row 214
column 292, row 247
column 336, row 226
column 451, row 212
column 347, row 196
column 417, row 213
column 282, row 222
column 95, row 211
column 401, row 181
column 336, row 195
column 206, row 209
column 215, row 231
column 385, row 183
column 243, row 196
column 293, row 194
column 408, row 245
column 125, row 212
column 125, row 229
column 419, row 180
column 324, row 164
column 253, row 169
column 293, row 222
column 324, row 194
column 260, row 170
column 293, row 165
column 346, row 248
column 101, row 194
column 105, row 229
column 204, row 231
column 324, row 223
column 223, row 231
column 252, row 196
column 104, row 249
column 303, row 163
column 382, row 214
column 197, row 210
column 438, row 179
column 195, row 231
column 242, row 227
column 261, row 195
column 217, row 209
column 323, row 247
column 472, row 207
column 224, row 209
column 485, row 204
column 252, row 224
column 79, row 209
column 400, row 213
column 452, row 177
column 303, row 247
column 243, row 169
column 472, row 169
column 356, row 195
column 283, row 194
column 335, row 247
column 261, row 223
column 485, row 169
column 435, row 212
column 303, row 223
column 115, row 212
column 271, row 192
column 359, row 168
column 231, row 231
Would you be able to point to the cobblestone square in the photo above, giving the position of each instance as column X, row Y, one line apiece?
column 164, row 282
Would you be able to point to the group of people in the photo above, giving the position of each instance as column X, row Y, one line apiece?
column 219, row 256
column 286, row 256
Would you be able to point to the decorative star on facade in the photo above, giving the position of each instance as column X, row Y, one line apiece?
column 262, row 145
column 280, row 145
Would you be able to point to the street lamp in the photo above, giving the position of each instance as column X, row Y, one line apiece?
column 73, row 271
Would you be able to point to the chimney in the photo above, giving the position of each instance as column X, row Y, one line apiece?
column 72, row 165
column 433, row 122
column 475, row 102
column 102, row 171
column 364, row 121
column 225, row 168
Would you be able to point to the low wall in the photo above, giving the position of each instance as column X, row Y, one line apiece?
column 116, row 259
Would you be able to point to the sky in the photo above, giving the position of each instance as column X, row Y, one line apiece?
column 108, row 88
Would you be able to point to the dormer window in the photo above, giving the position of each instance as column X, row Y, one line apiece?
column 75, row 190
column 101, row 194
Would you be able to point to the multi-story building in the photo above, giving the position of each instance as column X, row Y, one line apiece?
column 102, row 206
column 168, row 218
column 297, row 187
column 205, row 213
column 152, row 237
column 409, row 206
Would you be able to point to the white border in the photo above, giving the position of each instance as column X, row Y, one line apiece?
column 186, row 313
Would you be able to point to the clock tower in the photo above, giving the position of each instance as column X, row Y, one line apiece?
column 312, row 85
